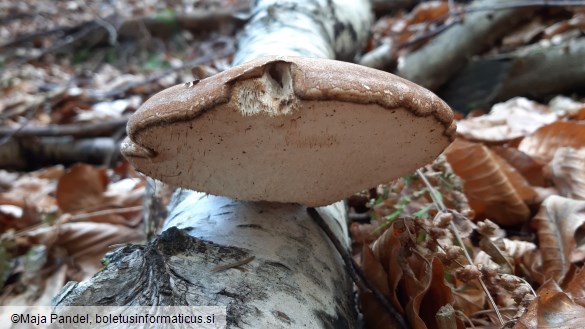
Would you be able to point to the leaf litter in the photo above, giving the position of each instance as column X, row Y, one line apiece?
column 512, row 183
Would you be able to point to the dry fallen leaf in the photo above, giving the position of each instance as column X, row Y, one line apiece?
column 469, row 298
column 85, row 242
column 81, row 189
column 543, row 143
column 494, row 189
column 515, row 118
column 567, row 170
column 375, row 315
column 552, row 308
column 525, row 165
column 428, row 11
column 388, row 251
column 556, row 223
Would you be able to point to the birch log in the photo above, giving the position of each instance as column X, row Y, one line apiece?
column 269, row 263
column 437, row 61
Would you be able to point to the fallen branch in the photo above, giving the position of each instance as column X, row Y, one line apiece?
column 33, row 153
column 77, row 130
column 534, row 71
column 434, row 63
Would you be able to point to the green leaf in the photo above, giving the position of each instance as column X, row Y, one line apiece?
column 424, row 212
column 393, row 216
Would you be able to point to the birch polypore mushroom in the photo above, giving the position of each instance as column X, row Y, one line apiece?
column 293, row 130
column 288, row 129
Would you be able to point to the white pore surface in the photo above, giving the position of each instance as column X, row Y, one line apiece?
column 320, row 153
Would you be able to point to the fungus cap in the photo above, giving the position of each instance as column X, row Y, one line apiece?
column 288, row 129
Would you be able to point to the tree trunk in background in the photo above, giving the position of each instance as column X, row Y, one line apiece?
column 269, row 263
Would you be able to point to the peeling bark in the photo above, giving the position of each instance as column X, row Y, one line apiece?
column 269, row 263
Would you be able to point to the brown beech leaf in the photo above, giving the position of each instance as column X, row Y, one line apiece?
column 425, row 291
column 576, row 288
column 437, row 295
column 556, row 223
column 521, row 186
column 428, row 11
column 417, row 278
column 552, row 308
column 543, row 143
column 524, row 164
column 85, row 242
column 388, row 250
column 29, row 189
column 515, row 118
column 81, row 188
column 494, row 189
column 469, row 298
column 567, row 170
column 375, row 315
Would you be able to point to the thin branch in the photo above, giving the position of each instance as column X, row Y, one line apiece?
column 89, row 215
column 441, row 206
column 81, row 129
column 355, row 271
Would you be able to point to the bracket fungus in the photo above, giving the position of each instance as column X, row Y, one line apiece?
column 288, row 129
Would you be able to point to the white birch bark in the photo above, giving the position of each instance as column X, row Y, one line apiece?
column 309, row 28
column 269, row 263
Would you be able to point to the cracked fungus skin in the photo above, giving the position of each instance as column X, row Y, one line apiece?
column 288, row 129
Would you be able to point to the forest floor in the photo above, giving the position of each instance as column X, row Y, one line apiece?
column 494, row 227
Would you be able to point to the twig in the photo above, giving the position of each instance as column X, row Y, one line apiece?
column 355, row 271
column 82, row 129
column 83, row 217
column 441, row 206
column 29, row 37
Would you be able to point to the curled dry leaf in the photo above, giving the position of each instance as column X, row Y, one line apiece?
column 388, row 251
column 85, row 242
column 567, row 170
column 515, row 118
column 552, row 308
column 556, row 223
column 425, row 291
column 495, row 190
column 375, row 315
column 576, row 287
column 543, row 143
